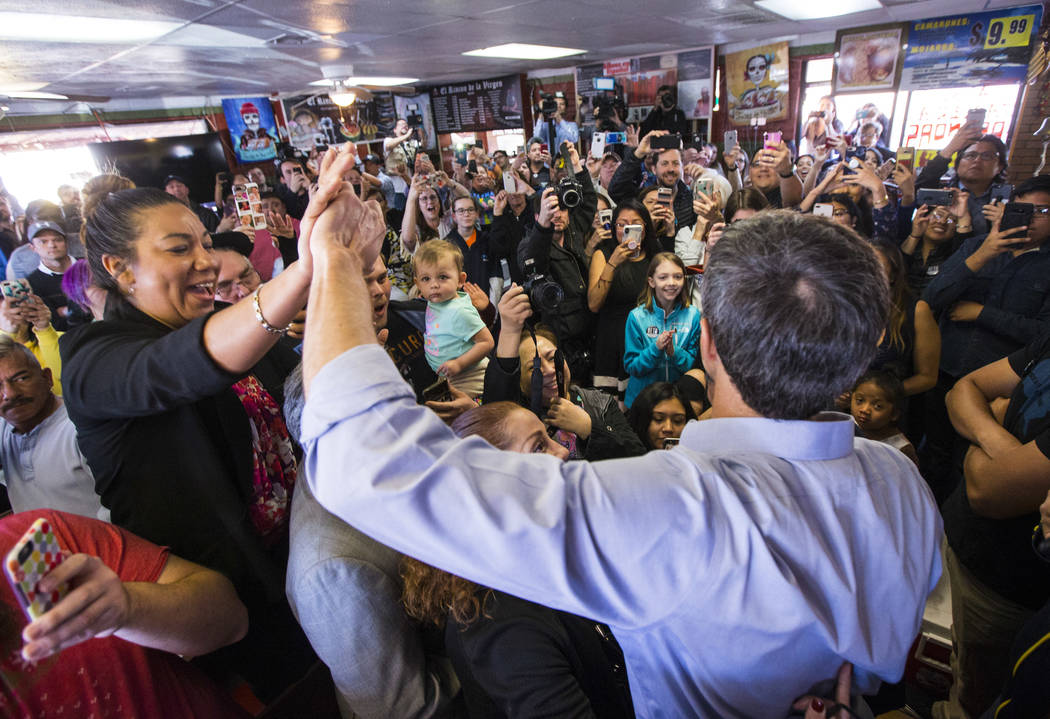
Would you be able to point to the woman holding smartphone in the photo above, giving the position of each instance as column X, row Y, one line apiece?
column 618, row 275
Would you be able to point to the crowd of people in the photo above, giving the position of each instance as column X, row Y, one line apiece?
column 658, row 431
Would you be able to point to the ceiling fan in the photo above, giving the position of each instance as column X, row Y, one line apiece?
column 344, row 89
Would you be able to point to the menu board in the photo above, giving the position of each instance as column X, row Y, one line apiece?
column 478, row 105
column 978, row 49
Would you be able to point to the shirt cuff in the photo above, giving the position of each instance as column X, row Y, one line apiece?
column 349, row 385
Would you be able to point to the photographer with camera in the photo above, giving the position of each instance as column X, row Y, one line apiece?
column 588, row 422
column 535, row 165
column 552, row 109
column 553, row 261
column 668, row 169
column 665, row 114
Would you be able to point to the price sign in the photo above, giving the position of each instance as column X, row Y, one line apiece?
column 1013, row 31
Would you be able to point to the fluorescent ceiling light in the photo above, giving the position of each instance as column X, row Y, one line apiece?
column 35, row 96
column 75, row 28
column 374, row 80
column 523, row 51
column 808, row 10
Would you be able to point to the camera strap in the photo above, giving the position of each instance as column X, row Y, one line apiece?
column 536, row 380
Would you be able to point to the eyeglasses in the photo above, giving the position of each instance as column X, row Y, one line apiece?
column 986, row 156
column 942, row 218
column 839, row 213
column 465, row 211
column 1042, row 213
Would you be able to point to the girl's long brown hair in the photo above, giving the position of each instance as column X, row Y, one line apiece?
column 430, row 594
column 900, row 294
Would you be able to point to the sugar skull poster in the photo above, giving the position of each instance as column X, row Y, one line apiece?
column 757, row 80
column 252, row 128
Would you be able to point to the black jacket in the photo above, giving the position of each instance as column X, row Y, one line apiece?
column 170, row 446
column 567, row 263
column 521, row 659
column 505, row 235
column 293, row 202
column 674, row 121
column 627, row 180
column 611, row 435
column 478, row 260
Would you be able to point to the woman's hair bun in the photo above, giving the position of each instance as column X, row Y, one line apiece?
column 98, row 188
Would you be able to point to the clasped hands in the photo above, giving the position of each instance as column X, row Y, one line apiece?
column 336, row 219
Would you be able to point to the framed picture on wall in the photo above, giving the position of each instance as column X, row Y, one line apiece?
column 869, row 58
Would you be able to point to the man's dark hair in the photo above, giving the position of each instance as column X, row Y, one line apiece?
column 796, row 305
column 1039, row 183
column 297, row 160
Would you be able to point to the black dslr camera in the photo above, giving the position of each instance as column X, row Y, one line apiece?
column 668, row 99
column 568, row 190
column 548, row 106
column 544, row 294
column 414, row 119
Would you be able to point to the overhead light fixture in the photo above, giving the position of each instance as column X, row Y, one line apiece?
column 373, row 80
column 524, row 51
column 808, row 10
column 341, row 95
column 77, row 28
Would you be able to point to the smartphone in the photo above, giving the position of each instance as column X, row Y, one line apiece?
column 931, row 198
column 853, row 163
column 16, row 290
column 605, row 217
column 224, row 177
column 461, row 154
column 824, row 209
column 472, row 167
column 545, row 148
column 729, row 140
column 33, row 556
column 666, row 142
column 664, row 196
column 1016, row 214
column 671, row 442
column 615, row 138
column 703, row 185
column 508, row 183
column 248, row 202
column 598, row 144
column 632, row 236
column 976, row 117
column 1002, row 193
column 906, row 158
column 438, row 392
column 771, row 140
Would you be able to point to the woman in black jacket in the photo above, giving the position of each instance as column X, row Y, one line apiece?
column 586, row 421
column 177, row 407
column 515, row 658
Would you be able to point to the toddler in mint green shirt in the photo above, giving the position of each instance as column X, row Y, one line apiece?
column 455, row 340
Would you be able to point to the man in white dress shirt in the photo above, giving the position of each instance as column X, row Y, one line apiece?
column 736, row 570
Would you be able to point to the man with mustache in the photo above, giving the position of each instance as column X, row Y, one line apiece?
column 43, row 466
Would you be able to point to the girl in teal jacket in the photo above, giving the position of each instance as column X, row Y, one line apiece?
column 663, row 331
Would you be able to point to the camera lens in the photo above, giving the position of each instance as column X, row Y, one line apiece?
column 547, row 296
